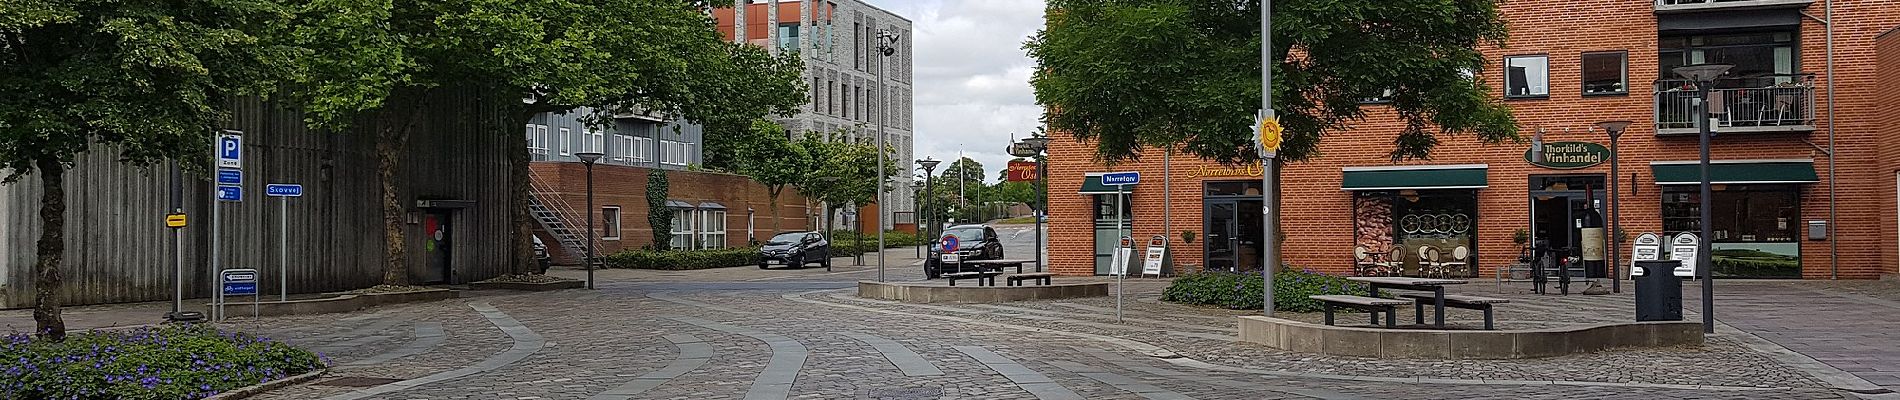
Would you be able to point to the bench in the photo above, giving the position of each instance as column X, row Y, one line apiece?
column 1041, row 278
column 982, row 278
column 1373, row 305
column 1456, row 301
column 997, row 265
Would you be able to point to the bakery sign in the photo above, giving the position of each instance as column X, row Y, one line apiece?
column 1568, row 155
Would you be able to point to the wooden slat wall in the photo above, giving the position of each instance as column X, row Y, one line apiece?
column 119, row 251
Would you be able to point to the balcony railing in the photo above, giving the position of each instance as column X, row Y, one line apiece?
column 1770, row 103
column 1667, row 6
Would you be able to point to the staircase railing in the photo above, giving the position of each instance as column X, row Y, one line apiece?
column 563, row 227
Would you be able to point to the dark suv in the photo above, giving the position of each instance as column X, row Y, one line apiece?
column 974, row 242
column 795, row 249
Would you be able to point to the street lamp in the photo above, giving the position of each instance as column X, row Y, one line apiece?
column 1704, row 76
column 930, row 167
column 916, row 218
column 1615, row 128
column 588, row 158
column 886, row 47
column 1040, row 144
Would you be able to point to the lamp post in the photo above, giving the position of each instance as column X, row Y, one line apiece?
column 1704, row 76
column 917, row 218
column 886, row 46
column 1615, row 128
column 1270, row 214
column 930, row 167
column 588, row 158
column 1040, row 143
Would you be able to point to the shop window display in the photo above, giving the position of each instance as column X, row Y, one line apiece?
column 1432, row 233
column 1756, row 230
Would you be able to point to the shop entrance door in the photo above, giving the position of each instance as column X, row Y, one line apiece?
column 1557, row 205
column 435, row 243
column 1233, row 234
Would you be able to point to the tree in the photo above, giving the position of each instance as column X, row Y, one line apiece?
column 659, row 216
column 1135, row 75
column 844, row 171
column 970, row 174
column 149, row 80
column 386, row 61
column 767, row 155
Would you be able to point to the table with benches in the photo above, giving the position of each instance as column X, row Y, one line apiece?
column 1455, row 301
column 1371, row 305
column 997, row 265
column 1374, row 304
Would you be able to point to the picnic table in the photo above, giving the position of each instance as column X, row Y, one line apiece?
column 1434, row 285
column 998, row 265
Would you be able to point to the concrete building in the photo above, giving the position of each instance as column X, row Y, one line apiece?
column 1566, row 66
column 838, row 42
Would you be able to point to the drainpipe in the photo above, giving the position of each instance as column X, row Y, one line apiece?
column 1833, row 238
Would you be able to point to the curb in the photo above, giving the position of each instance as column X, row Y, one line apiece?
column 257, row 389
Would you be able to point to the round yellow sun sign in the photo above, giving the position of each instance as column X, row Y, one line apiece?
column 1267, row 131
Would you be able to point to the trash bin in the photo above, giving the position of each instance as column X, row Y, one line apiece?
column 1658, row 290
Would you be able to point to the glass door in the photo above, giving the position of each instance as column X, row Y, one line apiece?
column 1222, row 236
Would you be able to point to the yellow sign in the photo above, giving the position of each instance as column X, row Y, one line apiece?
column 1269, row 130
column 174, row 220
column 1219, row 171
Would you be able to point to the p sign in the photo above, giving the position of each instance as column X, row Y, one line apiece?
column 230, row 150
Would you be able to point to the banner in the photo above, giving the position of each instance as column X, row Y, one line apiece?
column 1022, row 171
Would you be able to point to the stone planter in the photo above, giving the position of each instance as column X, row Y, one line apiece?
column 253, row 390
column 529, row 287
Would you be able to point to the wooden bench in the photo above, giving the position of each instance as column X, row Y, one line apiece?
column 1373, row 305
column 997, row 265
column 1041, row 278
column 1455, row 301
column 982, row 278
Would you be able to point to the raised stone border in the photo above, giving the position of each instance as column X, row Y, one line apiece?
column 1464, row 345
column 529, row 287
column 921, row 293
column 253, row 390
column 337, row 304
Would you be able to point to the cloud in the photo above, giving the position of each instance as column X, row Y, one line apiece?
column 971, row 76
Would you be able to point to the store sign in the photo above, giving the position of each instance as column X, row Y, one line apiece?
column 1569, row 155
column 1022, row 171
column 1217, row 171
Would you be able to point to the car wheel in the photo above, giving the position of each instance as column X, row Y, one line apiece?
column 798, row 263
column 763, row 266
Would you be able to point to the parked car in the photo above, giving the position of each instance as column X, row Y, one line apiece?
column 795, row 249
column 974, row 242
column 541, row 257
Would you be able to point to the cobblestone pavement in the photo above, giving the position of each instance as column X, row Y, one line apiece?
column 1840, row 324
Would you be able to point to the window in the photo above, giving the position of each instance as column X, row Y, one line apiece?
column 537, row 141
column 610, row 223
column 642, row 148
column 712, row 229
column 1753, row 54
column 1410, row 221
column 1384, row 96
column 845, row 101
column 788, row 36
column 674, row 153
column 857, row 46
column 1527, row 76
column 1757, row 231
column 567, row 141
column 595, row 141
column 682, row 229
column 1606, row 73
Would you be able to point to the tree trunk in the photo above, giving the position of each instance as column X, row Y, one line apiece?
column 392, row 138
column 52, row 247
column 519, row 189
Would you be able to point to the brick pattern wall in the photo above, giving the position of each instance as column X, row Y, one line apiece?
column 625, row 187
column 1887, row 101
column 1316, row 213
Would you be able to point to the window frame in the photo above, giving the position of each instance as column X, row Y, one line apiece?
column 709, row 238
column 1583, row 80
column 682, row 228
column 1507, row 77
column 610, row 228
column 567, row 141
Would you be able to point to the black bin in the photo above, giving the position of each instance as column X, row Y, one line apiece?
column 1658, row 290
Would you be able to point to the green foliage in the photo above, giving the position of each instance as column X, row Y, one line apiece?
column 844, row 169
column 1242, row 291
column 892, row 239
column 659, row 216
column 684, row 259
column 168, row 362
column 1135, row 75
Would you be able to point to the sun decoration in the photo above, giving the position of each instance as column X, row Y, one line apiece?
column 1267, row 132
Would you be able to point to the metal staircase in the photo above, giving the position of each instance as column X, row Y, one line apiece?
column 556, row 216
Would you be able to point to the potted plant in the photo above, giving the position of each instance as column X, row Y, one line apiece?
column 1187, row 237
column 1520, row 237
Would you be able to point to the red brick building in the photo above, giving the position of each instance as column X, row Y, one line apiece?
column 710, row 210
column 1567, row 66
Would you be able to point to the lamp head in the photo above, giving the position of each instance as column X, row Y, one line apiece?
column 928, row 164
column 589, row 157
column 1615, row 127
column 1702, row 72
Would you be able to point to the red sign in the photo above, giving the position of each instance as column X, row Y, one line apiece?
column 1020, row 171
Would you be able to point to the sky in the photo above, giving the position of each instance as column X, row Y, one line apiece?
column 971, row 76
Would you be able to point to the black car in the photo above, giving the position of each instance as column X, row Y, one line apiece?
column 974, row 242
column 795, row 249
column 541, row 258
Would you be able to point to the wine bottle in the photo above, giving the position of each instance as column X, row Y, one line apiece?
column 1593, row 239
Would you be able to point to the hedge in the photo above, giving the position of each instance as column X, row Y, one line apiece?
column 684, row 259
column 1242, row 291
column 168, row 362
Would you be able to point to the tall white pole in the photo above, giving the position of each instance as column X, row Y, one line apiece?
column 283, row 248
column 884, row 114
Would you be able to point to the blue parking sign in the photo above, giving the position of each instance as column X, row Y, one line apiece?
column 230, row 149
column 230, row 193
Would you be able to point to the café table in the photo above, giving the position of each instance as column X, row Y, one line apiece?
column 1434, row 285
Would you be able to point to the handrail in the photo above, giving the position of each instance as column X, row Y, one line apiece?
column 557, row 204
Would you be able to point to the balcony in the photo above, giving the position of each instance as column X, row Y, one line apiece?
column 1762, row 104
column 1681, row 6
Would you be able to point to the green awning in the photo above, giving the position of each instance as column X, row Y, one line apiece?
column 1733, row 172
column 1464, row 176
column 1092, row 184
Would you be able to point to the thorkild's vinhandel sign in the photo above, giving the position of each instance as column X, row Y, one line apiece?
column 1570, row 155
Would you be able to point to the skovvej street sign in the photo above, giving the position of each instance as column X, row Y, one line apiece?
column 283, row 190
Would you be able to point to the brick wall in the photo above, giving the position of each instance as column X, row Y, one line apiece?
column 1887, row 99
column 625, row 187
column 1316, row 213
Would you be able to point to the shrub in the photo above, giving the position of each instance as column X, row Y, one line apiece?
column 684, row 259
column 1242, row 291
column 169, row 362
column 843, row 241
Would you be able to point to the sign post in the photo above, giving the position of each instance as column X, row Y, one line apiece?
column 283, row 192
column 949, row 253
column 1119, row 265
column 1683, row 248
column 229, row 146
column 1157, row 254
column 239, row 282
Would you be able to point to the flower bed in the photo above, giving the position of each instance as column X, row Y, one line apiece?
column 1242, row 291
column 684, row 259
column 170, row 362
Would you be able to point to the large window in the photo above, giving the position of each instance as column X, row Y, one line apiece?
column 1417, row 223
column 538, row 141
column 642, row 149
column 712, row 229
column 1606, row 73
column 596, row 140
column 674, row 152
column 1753, row 54
column 682, row 229
column 788, row 36
column 1527, row 76
column 1756, row 231
column 610, row 223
